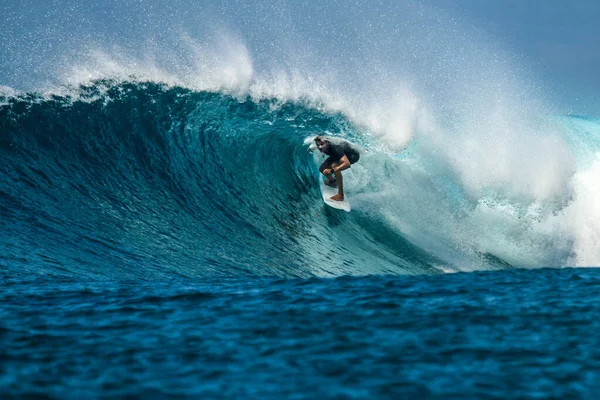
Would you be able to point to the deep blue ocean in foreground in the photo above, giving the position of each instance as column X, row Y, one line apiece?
column 163, row 233
column 512, row 334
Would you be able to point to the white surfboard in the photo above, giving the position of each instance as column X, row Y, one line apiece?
column 327, row 192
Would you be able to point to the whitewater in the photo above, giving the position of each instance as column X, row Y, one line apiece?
column 162, row 231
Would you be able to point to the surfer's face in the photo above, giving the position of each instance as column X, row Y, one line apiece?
column 322, row 145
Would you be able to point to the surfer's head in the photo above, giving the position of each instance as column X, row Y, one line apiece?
column 322, row 144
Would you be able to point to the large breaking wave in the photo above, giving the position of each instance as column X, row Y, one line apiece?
column 162, row 151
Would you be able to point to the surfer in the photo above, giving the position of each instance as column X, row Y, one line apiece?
column 341, row 156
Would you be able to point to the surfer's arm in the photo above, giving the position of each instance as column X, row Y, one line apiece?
column 342, row 165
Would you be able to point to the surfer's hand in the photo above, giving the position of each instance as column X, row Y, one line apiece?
column 328, row 171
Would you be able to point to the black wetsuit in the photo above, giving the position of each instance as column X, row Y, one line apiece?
column 337, row 151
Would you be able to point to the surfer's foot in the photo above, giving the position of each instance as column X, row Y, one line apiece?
column 337, row 197
column 332, row 182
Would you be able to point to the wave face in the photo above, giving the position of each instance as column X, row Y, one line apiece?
column 145, row 180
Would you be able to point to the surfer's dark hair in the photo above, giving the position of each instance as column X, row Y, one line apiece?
column 320, row 139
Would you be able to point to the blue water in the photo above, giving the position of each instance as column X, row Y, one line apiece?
column 510, row 334
column 159, row 242
column 165, row 182
column 162, row 232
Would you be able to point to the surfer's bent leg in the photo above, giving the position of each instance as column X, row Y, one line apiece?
column 326, row 166
column 333, row 171
column 339, row 167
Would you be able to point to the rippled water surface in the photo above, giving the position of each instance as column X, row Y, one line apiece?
column 508, row 334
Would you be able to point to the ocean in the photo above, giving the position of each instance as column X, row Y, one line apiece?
column 162, row 232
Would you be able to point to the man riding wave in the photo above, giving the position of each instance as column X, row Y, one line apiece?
column 341, row 156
